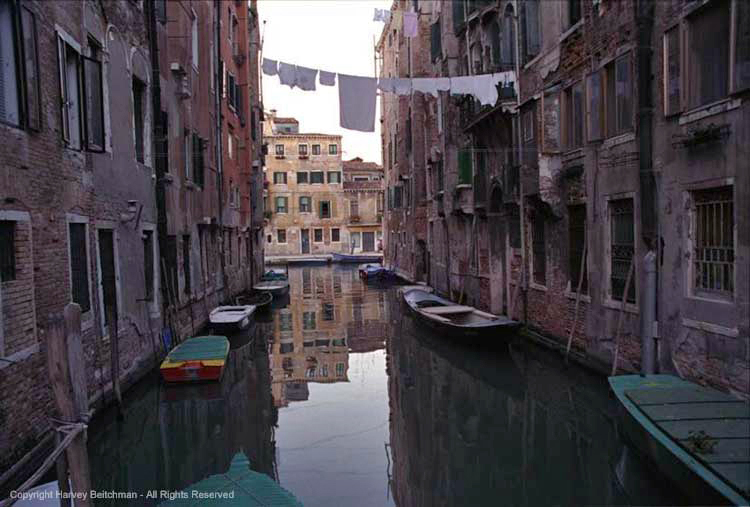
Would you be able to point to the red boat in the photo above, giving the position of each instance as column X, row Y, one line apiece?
column 201, row 358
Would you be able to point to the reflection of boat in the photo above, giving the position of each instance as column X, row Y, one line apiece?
column 274, row 274
column 237, row 317
column 457, row 321
column 377, row 273
column 275, row 287
column 357, row 258
column 237, row 486
column 261, row 300
column 196, row 359
column 695, row 435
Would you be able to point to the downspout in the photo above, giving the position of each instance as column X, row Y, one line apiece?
column 160, row 162
column 521, row 211
column 648, row 188
column 218, row 86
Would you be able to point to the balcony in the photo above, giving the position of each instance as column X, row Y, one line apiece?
column 363, row 185
column 354, row 219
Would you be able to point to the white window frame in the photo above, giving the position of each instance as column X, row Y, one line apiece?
column 322, row 234
column 87, row 318
column 286, row 236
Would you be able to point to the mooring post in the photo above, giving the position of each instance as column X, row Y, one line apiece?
column 66, row 366
column 648, row 315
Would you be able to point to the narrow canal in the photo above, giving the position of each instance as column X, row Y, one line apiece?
column 341, row 398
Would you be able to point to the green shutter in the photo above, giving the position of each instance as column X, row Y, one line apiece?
column 464, row 167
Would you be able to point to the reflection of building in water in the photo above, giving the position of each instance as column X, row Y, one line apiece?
column 503, row 429
column 331, row 310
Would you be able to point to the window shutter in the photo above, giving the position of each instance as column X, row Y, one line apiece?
column 532, row 27
column 31, row 67
column 624, row 91
column 464, row 167
column 594, row 106
column 672, row 79
column 458, row 15
column 436, row 50
column 742, row 47
column 61, row 63
column 94, row 104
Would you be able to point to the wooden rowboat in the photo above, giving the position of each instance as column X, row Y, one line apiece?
column 377, row 273
column 697, row 437
column 275, row 287
column 235, row 317
column 196, row 359
column 457, row 321
column 261, row 300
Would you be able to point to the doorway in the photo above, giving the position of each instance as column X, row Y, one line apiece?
column 305, row 241
column 368, row 241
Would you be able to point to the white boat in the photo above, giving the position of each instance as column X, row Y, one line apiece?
column 275, row 287
column 231, row 316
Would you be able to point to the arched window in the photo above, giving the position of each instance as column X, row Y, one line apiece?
column 494, row 34
column 508, row 45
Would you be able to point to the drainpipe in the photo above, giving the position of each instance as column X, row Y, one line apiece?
column 218, row 83
column 519, row 140
column 648, row 315
column 160, row 129
column 648, row 186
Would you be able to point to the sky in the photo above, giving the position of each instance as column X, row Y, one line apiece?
column 332, row 35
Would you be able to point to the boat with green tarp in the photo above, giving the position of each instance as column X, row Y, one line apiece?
column 238, row 486
column 196, row 359
column 696, row 436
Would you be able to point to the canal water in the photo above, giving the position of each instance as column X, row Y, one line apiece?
column 341, row 398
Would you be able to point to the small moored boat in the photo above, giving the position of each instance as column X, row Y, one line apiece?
column 275, row 287
column 261, row 300
column 457, row 321
column 376, row 273
column 231, row 316
column 357, row 258
column 196, row 359
column 697, row 437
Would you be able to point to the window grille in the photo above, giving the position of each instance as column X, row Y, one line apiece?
column 622, row 247
column 714, row 241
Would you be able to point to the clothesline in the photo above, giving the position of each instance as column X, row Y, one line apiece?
column 357, row 94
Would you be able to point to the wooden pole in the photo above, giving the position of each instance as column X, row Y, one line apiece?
column 65, row 363
column 622, row 313
column 578, row 297
column 61, row 468
column 114, row 348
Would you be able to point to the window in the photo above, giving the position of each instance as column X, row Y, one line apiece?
column 317, row 177
column 92, row 74
column 318, row 235
column 354, row 208
column 316, row 149
column 19, row 83
column 539, row 258
column 279, row 178
column 305, row 204
column 335, row 235
column 574, row 12
column 464, row 167
column 333, row 149
column 160, row 9
column 713, row 265
column 742, row 46
column 308, row 320
column 436, row 49
column 139, row 89
column 672, row 71
column 79, row 272
column 187, row 154
column 232, row 91
column 279, row 150
column 107, row 273
column 269, row 239
column 70, row 92
column 576, row 247
column 356, row 240
column 281, row 205
column 340, row 369
column 708, row 54
column 397, row 196
column 619, row 97
column 302, row 150
column 594, row 111
column 198, row 165
column 334, row 176
column 574, row 116
column 7, row 250
column 622, row 238
column 302, row 177
column 148, row 264
column 194, row 39
column 530, row 27
column 186, row 260
column 281, row 236
column 514, row 227
column 527, row 125
column 328, row 311
column 285, row 322
column 325, row 209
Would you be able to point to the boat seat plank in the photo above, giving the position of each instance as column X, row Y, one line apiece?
column 738, row 474
column 696, row 394
column 726, row 450
column 442, row 310
column 705, row 410
column 714, row 428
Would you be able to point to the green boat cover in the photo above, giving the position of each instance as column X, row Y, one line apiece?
column 200, row 348
column 238, row 486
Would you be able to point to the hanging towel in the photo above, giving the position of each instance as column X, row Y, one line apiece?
column 462, row 85
column 382, row 15
column 397, row 17
column 410, row 24
column 401, row 86
column 270, row 67
column 327, row 78
column 485, row 89
column 385, row 84
column 425, row 85
column 357, row 102
column 305, row 78
column 443, row 84
column 287, row 74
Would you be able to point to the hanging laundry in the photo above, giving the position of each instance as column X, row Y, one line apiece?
column 382, row 15
column 482, row 87
column 397, row 18
column 401, row 86
column 462, row 85
column 410, row 24
column 327, row 78
column 425, row 85
column 270, row 67
column 287, row 74
column 305, row 78
column 385, row 84
column 357, row 102
column 443, row 84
